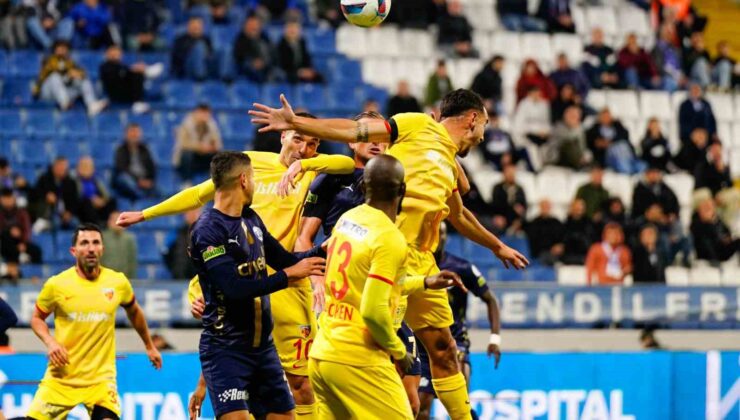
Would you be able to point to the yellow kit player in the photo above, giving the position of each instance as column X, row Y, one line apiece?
column 295, row 324
column 350, row 366
column 82, row 352
column 427, row 150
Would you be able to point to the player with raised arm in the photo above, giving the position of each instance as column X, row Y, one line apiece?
column 350, row 366
column 82, row 351
column 295, row 324
column 476, row 284
column 231, row 249
column 427, row 150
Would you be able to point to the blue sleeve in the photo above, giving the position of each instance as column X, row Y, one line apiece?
column 474, row 281
column 279, row 258
column 320, row 195
column 209, row 246
column 7, row 316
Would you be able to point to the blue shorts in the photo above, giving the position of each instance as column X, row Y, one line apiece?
column 409, row 339
column 246, row 380
column 425, row 384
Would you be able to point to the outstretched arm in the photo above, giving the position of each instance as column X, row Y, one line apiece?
column 188, row 199
column 342, row 130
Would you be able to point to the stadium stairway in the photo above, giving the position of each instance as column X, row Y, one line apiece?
column 724, row 16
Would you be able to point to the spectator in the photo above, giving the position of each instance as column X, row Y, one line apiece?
column 532, row 77
column 655, row 149
column 515, row 17
column 439, row 85
column 253, row 53
column 609, row 261
column 509, row 203
column 274, row 9
column 294, row 57
column 712, row 179
column 671, row 238
column 567, row 144
column 647, row 337
column 610, row 144
column 95, row 203
column 134, row 172
column 329, row 11
column 120, row 248
column 599, row 63
column 696, row 60
column 652, row 190
column 531, row 124
column 140, row 25
column 565, row 74
column 567, row 97
column 724, row 75
column 693, row 152
column 579, row 233
column 125, row 84
column 712, row 239
column 558, row 16
column 649, row 265
column 61, row 80
column 488, row 82
column 15, row 232
column 402, row 101
column 54, row 200
column 455, row 36
column 13, row 32
column 499, row 149
column 192, row 52
column 615, row 212
column 546, row 235
column 696, row 112
column 198, row 140
column 13, row 181
column 593, row 194
column 636, row 67
column 667, row 59
column 44, row 23
column 176, row 257
column 92, row 20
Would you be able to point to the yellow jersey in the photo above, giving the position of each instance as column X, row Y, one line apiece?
column 84, row 323
column 365, row 247
column 428, row 156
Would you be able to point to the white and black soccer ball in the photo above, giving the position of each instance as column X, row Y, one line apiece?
column 365, row 13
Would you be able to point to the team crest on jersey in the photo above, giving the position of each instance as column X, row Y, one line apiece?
column 212, row 252
column 257, row 232
column 108, row 293
column 312, row 198
column 305, row 330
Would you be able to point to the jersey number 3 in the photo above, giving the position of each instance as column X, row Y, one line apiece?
column 346, row 249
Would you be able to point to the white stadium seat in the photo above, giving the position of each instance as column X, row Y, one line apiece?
column 528, row 182
column 465, row 71
column 633, row 20
column 507, row 44
column 384, row 41
column 579, row 19
column 571, row 45
column 482, row 17
column 380, row 72
column 537, row 46
column 417, row 43
column 413, row 70
column 553, row 183
column 619, row 185
column 704, row 276
column 597, row 99
column 724, row 131
column 485, row 179
column 722, row 105
column 623, row 103
column 737, row 106
column 602, row 17
column 352, row 41
column 676, row 276
column 572, row 275
column 682, row 185
column 735, row 141
column 657, row 104
column 482, row 43
column 735, row 162
column 731, row 276
column 677, row 99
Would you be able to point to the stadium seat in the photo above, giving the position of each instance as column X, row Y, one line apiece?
column 620, row 185
column 554, row 183
column 571, row 45
column 731, row 276
column 344, row 97
column 74, row 123
column 682, row 185
column 352, row 41
column 596, row 99
column 271, row 93
column 25, row 63
column 623, row 103
column 347, row 71
column 180, row 94
column 41, row 123
column 103, row 152
column 704, row 276
column 537, row 46
column 455, row 244
column 149, row 124
column 633, row 20
column 31, row 152
column 244, row 94
column 320, row 41
column 482, row 43
column 543, row 274
column 419, row 43
column 10, row 123
column 572, row 275
column 374, row 93
column 722, row 105
column 223, row 36
column 109, row 123
column 90, row 61
column 46, row 242
column 507, row 44
column 147, row 247
column 464, row 71
column 482, row 17
column 216, row 94
column 383, row 41
column 237, row 126
column 17, row 92
column 413, row 70
column 602, row 17
column 32, row 270
column 676, row 276
column 485, row 179
column 380, row 72
column 656, row 104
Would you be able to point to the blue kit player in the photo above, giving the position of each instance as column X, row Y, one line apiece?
column 476, row 284
column 231, row 249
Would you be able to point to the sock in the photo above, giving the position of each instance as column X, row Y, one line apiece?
column 453, row 393
column 305, row 412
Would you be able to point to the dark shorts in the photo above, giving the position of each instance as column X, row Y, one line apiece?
column 408, row 338
column 425, row 384
column 242, row 380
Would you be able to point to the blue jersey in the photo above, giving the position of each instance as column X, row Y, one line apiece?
column 231, row 255
column 330, row 196
column 473, row 281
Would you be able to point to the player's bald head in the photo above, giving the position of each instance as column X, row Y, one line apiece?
column 227, row 167
column 383, row 178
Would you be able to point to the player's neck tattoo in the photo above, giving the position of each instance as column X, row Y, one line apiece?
column 362, row 132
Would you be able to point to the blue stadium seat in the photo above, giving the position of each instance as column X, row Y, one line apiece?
column 509, row 274
column 310, row 96
column 222, row 36
column 161, row 272
column 41, row 123
column 17, row 92
column 544, row 274
column 162, row 152
column 143, row 272
column 90, row 61
column 216, row 94
column 72, row 149
column 243, row 94
column 149, row 124
column 455, row 244
column 375, row 93
column 320, row 41
column 109, row 123
column 10, row 122
column 74, row 123
column 25, row 63
column 180, row 94
column 103, row 152
column 32, row 270
column 46, row 242
column 147, row 247
column 3, row 64
column 238, row 126
column 271, row 93
column 167, row 181
column 343, row 97
column 347, row 71
column 31, row 152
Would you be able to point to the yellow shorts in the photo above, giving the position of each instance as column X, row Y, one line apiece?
column 429, row 308
column 54, row 400
column 350, row 392
column 294, row 327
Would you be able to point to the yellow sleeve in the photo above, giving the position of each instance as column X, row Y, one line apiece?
column 46, row 300
column 194, row 290
column 189, row 199
column 329, row 164
column 388, row 258
column 413, row 284
column 127, row 292
column 405, row 125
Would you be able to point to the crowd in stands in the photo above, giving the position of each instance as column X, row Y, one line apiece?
column 550, row 125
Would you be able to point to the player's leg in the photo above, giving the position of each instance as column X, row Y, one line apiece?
column 227, row 374
column 293, row 333
column 328, row 405
column 235, row 415
column 269, row 388
column 103, row 402
column 53, row 401
column 102, row 413
column 411, row 385
column 463, row 358
column 412, row 378
column 426, row 390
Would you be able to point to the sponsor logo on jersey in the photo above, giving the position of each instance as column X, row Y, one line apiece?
column 258, row 233
column 312, row 198
column 233, row 394
column 108, row 293
column 88, row 316
column 213, row 251
column 351, row 229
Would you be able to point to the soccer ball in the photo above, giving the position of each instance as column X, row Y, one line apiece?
column 365, row 13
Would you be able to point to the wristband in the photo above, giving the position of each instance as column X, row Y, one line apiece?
column 495, row 339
